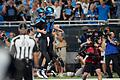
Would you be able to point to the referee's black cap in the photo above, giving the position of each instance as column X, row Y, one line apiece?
column 23, row 26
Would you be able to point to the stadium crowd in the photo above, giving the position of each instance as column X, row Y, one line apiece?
column 97, row 47
column 24, row 10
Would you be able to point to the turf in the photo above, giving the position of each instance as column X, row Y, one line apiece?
column 79, row 78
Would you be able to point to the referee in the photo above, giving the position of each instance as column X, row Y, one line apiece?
column 22, row 48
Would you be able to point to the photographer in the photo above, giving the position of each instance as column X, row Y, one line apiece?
column 92, row 62
column 3, row 38
column 111, row 53
column 9, row 39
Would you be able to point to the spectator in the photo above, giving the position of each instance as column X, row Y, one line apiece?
column 9, row 39
column 1, row 10
column 92, row 13
column 85, row 6
column 112, row 53
column 90, row 2
column 103, row 11
column 68, row 11
column 62, row 4
column 27, row 11
column 21, row 13
column 74, row 3
column 78, row 12
column 96, row 2
column 44, row 4
column 57, row 10
column 33, row 13
column 118, row 9
column 10, row 11
column 18, row 2
column 111, row 3
column 64, row 1
column 28, row 2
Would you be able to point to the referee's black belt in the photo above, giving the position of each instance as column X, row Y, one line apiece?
column 27, row 60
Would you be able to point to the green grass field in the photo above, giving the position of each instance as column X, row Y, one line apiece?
column 79, row 78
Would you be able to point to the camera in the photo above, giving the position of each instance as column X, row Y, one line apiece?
column 3, row 37
column 94, row 35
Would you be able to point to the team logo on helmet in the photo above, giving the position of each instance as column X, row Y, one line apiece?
column 40, row 10
column 49, row 11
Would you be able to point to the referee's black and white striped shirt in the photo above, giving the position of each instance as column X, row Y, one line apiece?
column 24, row 46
